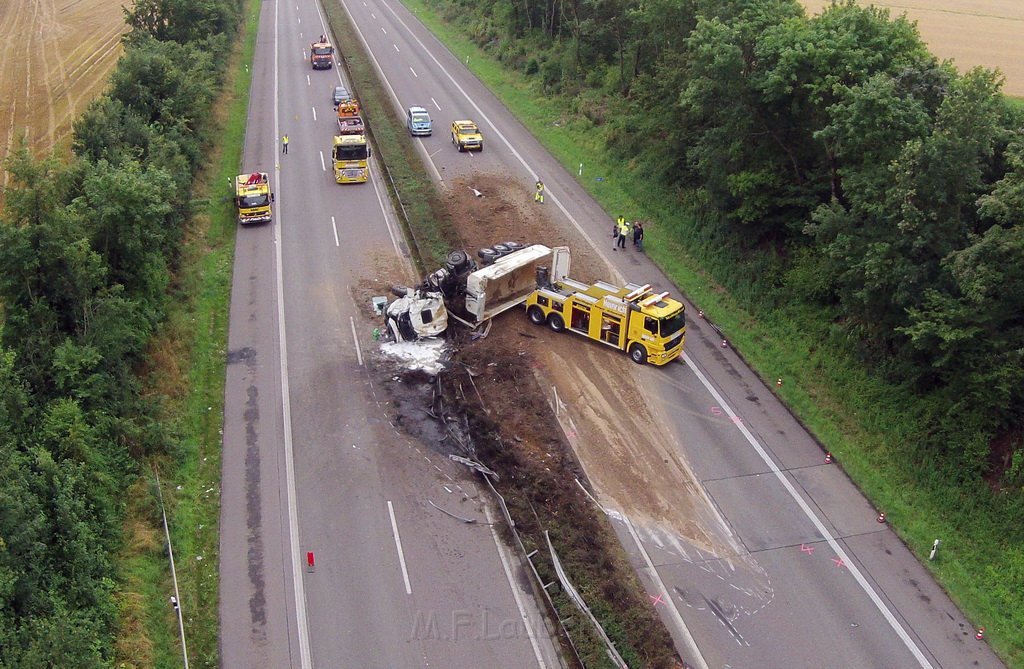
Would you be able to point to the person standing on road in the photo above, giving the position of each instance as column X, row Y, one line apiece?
column 618, row 223
column 638, row 235
column 539, row 195
column 620, row 242
column 284, row 145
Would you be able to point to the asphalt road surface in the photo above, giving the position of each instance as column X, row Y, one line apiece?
column 333, row 550
column 815, row 581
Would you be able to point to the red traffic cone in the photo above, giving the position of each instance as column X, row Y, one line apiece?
column 881, row 517
column 981, row 634
column 828, row 457
column 724, row 343
column 700, row 313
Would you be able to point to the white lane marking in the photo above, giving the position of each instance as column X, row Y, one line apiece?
column 323, row 165
column 435, row 104
column 396, row 48
column 308, row 82
column 398, row 544
column 355, row 341
column 853, row 569
column 394, row 97
column 305, row 660
column 413, row 72
column 314, row 113
column 658, row 583
column 524, row 616
column 522, row 161
column 334, row 226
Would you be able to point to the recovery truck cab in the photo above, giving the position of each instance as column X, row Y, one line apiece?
column 649, row 326
column 253, row 198
column 321, row 54
column 350, row 152
column 350, row 155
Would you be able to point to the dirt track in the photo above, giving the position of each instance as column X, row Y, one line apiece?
column 56, row 55
column 989, row 33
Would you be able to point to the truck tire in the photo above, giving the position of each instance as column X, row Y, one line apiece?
column 536, row 315
column 457, row 261
column 638, row 354
column 556, row 322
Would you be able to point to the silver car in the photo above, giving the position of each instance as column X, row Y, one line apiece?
column 341, row 94
column 418, row 121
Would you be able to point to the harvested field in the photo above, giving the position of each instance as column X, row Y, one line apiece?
column 57, row 55
column 989, row 33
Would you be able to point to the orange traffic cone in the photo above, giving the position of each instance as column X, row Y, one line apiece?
column 724, row 343
column 981, row 634
column 778, row 384
column 828, row 458
column 700, row 313
column 881, row 517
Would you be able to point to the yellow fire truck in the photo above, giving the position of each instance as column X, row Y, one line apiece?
column 350, row 155
column 253, row 198
column 649, row 326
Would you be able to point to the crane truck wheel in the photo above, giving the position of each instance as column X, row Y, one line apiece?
column 536, row 315
column 556, row 322
column 638, row 354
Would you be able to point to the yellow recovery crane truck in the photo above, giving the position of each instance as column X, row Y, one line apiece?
column 253, row 198
column 649, row 326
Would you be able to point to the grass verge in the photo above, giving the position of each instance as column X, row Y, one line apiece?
column 187, row 375
column 867, row 423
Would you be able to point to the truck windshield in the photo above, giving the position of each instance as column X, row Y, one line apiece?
column 673, row 324
column 250, row 201
column 350, row 152
column 323, row 50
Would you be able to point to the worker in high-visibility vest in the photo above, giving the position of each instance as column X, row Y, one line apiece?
column 618, row 224
column 538, row 196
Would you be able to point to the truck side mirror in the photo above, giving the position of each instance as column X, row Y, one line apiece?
column 271, row 197
column 369, row 152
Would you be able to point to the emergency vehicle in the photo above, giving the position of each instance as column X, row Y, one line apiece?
column 253, row 198
column 650, row 326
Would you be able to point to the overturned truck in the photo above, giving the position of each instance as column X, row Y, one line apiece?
column 472, row 293
column 648, row 325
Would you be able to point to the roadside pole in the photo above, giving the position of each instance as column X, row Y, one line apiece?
column 176, row 599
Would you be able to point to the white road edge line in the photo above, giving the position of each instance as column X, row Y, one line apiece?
column 355, row 340
column 398, row 545
column 673, row 609
column 305, row 661
column 515, row 590
column 565, row 212
column 857, row 575
column 394, row 96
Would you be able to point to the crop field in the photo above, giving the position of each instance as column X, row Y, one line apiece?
column 56, row 55
column 969, row 32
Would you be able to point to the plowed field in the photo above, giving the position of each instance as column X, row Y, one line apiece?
column 989, row 33
column 56, row 55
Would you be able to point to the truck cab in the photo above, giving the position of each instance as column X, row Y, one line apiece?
column 253, row 198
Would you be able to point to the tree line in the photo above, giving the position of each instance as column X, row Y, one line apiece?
column 88, row 247
column 864, row 179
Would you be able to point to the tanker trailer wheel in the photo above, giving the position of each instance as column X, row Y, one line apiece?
column 638, row 354
column 556, row 323
column 536, row 315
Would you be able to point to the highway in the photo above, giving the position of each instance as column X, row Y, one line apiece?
column 333, row 553
column 813, row 580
